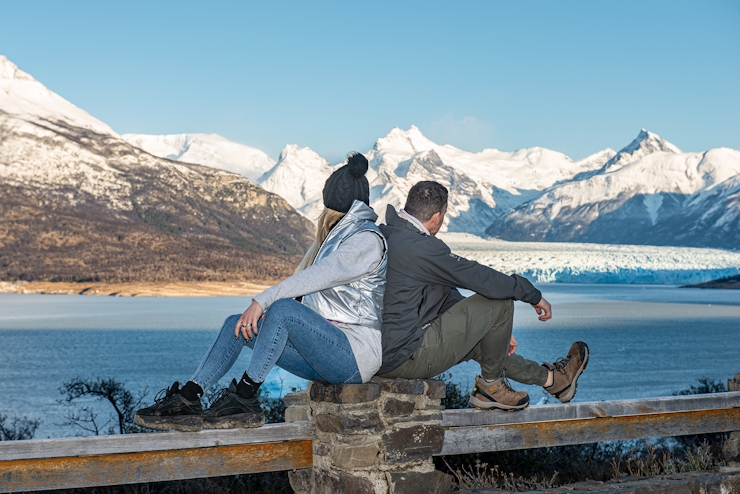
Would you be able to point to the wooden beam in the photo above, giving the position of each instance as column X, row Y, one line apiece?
column 569, row 411
column 152, row 466
column 153, row 441
column 503, row 437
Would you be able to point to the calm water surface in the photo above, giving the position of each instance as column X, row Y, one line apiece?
column 644, row 341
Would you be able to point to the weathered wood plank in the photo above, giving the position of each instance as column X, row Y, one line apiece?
column 569, row 411
column 153, row 466
column 503, row 437
column 154, row 441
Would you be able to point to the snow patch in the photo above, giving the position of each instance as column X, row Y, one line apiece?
column 652, row 204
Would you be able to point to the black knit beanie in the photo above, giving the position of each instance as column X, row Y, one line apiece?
column 347, row 184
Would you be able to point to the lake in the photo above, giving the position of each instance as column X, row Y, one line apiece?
column 645, row 341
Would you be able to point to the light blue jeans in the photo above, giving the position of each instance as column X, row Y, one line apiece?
column 291, row 336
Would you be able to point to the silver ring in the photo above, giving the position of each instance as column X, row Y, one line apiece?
column 249, row 324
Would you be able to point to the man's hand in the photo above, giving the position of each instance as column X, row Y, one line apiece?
column 512, row 346
column 544, row 309
column 247, row 323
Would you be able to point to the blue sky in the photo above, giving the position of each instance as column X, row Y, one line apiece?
column 570, row 76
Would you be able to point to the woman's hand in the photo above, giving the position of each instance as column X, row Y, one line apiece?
column 247, row 323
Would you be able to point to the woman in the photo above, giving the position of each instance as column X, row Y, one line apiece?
column 332, row 334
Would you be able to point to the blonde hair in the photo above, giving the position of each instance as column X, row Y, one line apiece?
column 327, row 220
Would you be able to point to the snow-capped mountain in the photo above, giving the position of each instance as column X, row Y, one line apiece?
column 77, row 202
column 648, row 193
column 26, row 98
column 299, row 177
column 205, row 149
column 482, row 185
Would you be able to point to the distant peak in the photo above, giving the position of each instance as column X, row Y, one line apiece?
column 650, row 141
column 291, row 149
column 645, row 143
column 10, row 71
column 399, row 133
column 293, row 152
column 412, row 140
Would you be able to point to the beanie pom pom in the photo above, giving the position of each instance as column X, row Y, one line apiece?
column 357, row 164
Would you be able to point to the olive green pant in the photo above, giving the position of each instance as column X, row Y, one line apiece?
column 474, row 329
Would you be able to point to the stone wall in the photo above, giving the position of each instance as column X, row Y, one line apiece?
column 373, row 438
column 731, row 448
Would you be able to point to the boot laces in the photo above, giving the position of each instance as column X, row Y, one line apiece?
column 562, row 363
column 507, row 385
column 220, row 395
column 167, row 392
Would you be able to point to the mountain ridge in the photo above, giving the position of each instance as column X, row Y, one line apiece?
column 514, row 195
column 650, row 192
column 647, row 192
column 78, row 203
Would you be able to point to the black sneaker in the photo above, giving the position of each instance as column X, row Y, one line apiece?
column 171, row 411
column 229, row 410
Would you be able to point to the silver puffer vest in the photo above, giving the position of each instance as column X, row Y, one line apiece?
column 359, row 302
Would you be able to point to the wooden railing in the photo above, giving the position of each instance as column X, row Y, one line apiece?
column 476, row 431
column 109, row 460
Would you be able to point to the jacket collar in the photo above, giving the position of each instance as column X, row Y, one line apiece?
column 360, row 211
column 392, row 218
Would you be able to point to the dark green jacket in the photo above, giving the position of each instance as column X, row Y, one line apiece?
column 423, row 276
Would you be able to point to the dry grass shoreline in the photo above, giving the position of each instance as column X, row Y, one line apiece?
column 174, row 289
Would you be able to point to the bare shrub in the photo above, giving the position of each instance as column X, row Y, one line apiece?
column 18, row 428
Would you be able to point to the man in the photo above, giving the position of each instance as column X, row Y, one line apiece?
column 428, row 326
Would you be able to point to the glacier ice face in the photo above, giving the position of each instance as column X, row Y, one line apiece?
column 549, row 262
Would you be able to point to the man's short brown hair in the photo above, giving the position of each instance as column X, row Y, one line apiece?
column 426, row 198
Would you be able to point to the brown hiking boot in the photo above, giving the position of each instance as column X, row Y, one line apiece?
column 565, row 372
column 497, row 394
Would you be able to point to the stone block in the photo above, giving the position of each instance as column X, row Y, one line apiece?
column 344, row 393
column 321, row 449
column 394, row 408
column 348, row 423
column 434, row 482
column 731, row 448
column 405, row 386
column 435, row 389
column 419, row 416
column 322, row 481
column 734, row 384
column 414, row 443
column 296, row 399
column 297, row 413
column 348, row 457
